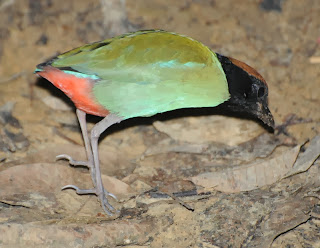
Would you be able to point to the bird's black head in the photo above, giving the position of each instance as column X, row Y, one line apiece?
column 248, row 90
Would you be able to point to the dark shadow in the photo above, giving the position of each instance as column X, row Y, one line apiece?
column 178, row 113
column 45, row 84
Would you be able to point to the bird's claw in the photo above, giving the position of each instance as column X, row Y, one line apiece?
column 74, row 162
column 80, row 191
column 107, row 207
column 112, row 195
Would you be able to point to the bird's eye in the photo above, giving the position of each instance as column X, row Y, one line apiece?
column 261, row 92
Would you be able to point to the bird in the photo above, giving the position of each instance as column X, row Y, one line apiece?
column 143, row 73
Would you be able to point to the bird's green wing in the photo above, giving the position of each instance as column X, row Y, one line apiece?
column 149, row 72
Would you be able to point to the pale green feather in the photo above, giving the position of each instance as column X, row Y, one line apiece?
column 149, row 72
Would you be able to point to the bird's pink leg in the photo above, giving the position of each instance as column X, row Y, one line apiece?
column 83, row 125
column 98, row 189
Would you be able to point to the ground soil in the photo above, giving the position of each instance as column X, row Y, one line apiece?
column 147, row 160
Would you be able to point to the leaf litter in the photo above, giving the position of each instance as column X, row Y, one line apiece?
column 161, row 161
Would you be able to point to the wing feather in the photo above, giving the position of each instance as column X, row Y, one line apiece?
column 149, row 72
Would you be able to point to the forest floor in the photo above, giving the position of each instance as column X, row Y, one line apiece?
column 198, row 179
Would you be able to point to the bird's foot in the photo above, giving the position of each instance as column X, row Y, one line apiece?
column 75, row 162
column 102, row 195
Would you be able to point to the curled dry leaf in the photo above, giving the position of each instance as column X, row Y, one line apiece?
column 250, row 176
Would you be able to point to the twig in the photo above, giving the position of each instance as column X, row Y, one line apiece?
column 291, row 120
column 180, row 202
column 56, row 131
column 12, row 77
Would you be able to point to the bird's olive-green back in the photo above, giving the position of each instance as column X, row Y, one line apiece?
column 149, row 72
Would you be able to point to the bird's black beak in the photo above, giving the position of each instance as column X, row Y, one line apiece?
column 252, row 109
column 262, row 112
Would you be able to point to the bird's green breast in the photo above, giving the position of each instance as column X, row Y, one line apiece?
column 145, row 73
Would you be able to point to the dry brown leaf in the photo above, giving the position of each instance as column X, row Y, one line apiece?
column 31, row 185
column 307, row 158
column 285, row 216
column 250, row 176
column 204, row 129
column 259, row 147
